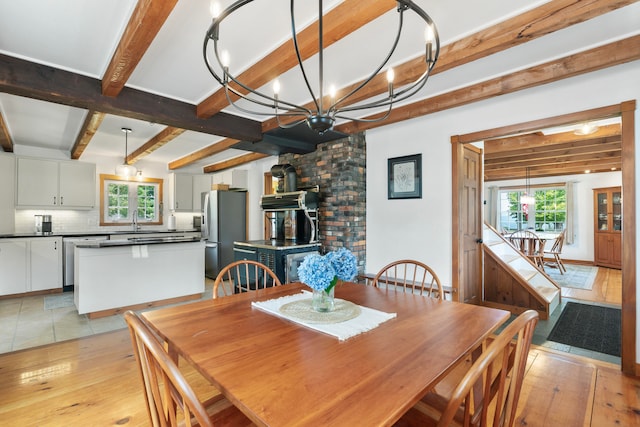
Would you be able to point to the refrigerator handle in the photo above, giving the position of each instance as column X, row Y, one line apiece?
column 205, row 217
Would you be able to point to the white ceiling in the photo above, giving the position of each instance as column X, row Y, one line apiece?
column 82, row 35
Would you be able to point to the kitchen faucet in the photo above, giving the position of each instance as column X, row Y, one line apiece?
column 134, row 221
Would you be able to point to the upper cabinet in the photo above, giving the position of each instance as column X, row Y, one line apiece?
column 7, row 193
column 54, row 184
column 180, row 192
column 185, row 190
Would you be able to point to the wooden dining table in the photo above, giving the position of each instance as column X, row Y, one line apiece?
column 281, row 373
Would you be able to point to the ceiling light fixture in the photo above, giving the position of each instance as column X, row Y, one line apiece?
column 125, row 169
column 526, row 198
column 586, row 129
column 325, row 110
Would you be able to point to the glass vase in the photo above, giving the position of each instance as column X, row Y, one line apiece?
column 322, row 301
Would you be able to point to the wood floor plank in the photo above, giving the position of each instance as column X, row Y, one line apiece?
column 82, row 382
column 618, row 400
column 556, row 392
column 94, row 381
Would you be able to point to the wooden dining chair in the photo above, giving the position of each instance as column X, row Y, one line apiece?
column 410, row 276
column 487, row 393
column 243, row 276
column 170, row 399
column 555, row 252
column 529, row 244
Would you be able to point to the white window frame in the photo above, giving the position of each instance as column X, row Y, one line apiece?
column 132, row 199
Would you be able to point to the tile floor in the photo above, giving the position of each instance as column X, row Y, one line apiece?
column 25, row 323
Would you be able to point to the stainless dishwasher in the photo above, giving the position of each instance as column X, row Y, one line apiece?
column 68, row 244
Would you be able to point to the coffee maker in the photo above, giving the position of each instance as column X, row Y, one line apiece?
column 43, row 224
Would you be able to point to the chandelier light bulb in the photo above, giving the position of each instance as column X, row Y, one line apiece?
column 428, row 34
column 390, row 75
column 214, row 9
column 224, row 58
column 276, row 86
column 332, row 91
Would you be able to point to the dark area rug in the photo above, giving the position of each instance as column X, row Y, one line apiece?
column 590, row 327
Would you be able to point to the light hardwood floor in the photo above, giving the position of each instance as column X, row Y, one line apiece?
column 607, row 288
column 94, row 381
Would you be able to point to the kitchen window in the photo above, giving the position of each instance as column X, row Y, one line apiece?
column 122, row 199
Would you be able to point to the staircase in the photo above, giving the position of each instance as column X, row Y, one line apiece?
column 512, row 282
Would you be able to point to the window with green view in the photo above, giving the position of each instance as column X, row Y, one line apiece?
column 123, row 198
column 548, row 213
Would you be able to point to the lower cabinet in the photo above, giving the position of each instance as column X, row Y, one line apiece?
column 13, row 266
column 46, row 263
column 28, row 265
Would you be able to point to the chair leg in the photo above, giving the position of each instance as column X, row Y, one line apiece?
column 561, row 266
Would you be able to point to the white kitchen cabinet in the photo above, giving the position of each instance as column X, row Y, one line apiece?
column 37, row 182
column 46, row 263
column 13, row 266
column 77, row 184
column 7, row 193
column 201, row 183
column 180, row 192
column 55, row 184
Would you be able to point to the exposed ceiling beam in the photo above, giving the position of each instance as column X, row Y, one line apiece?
column 530, row 142
column 514, row 159
column 338, row 23
column 609, row 55
column 163, row 137
column 554, row 155
column 24, row 78
column 545, row 19
column 145, row 23
column 558, row 169
column 89, row 127
column 216, row 148
column 520, row 29
column 5, row 138
column 236, row 161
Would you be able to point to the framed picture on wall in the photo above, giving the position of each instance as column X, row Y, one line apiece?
column 405, row 177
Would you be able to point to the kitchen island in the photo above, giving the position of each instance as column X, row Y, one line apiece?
column 112, row 276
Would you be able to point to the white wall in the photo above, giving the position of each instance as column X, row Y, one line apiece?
column 421, row 228
column 582, row 247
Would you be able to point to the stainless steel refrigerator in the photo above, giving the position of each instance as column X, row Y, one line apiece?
column 224, row 221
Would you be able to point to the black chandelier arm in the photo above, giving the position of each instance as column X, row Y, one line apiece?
column 335, row 105
column 321, row 119
column 229, row 88
column 401, row 96
column 365, row 120
column 436, row 37
column 294, row 36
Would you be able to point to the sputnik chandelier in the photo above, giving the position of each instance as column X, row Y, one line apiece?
column 324, row 111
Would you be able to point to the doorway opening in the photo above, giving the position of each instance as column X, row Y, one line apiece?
column 625, row 111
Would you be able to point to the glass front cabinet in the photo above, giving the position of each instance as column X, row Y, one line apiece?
column 608, row 227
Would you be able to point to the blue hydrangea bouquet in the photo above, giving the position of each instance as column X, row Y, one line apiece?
column 322, row 273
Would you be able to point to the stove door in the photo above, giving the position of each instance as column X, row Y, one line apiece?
column 293, row 261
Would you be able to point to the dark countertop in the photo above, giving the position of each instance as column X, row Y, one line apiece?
column 277, row 244
column 136, row 241
column 92, row 233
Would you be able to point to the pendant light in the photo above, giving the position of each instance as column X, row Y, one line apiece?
column 526, row 198
column 125, row 169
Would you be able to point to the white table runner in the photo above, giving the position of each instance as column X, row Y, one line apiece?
column 367, row 319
